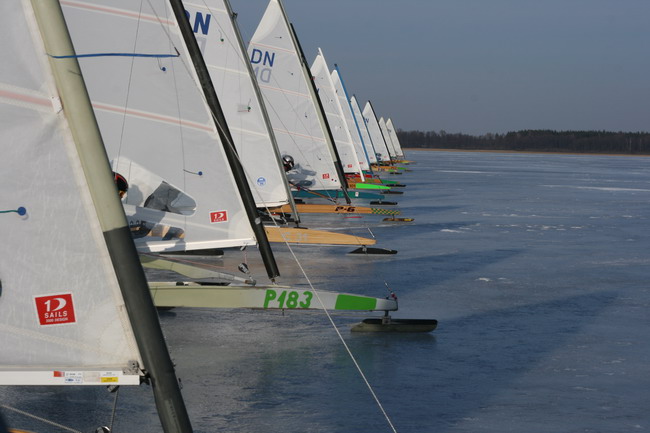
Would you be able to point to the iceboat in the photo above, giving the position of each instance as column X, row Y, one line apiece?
column 74, row 303
column 160, row 129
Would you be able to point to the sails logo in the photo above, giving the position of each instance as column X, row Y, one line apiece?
column 261, row 181
column 262, row 63
column 55, row 309
column 326, row 175
column 219, row 216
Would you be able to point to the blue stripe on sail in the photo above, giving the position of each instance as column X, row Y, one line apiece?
column 78, row 56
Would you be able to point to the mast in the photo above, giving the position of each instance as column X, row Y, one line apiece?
column 226, row 138
column 265, row 114
column 133, row 284
column 356, row 124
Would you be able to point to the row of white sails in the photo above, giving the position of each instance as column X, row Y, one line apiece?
column 63, row 307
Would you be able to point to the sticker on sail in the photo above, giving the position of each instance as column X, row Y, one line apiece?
column 55, row 309
column 219, row 216
column 326, row 175
column 109, row 377
column 70, row 377
column 261, row 181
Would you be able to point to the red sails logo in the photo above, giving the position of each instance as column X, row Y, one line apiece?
column 219, row 216
column 55, row 309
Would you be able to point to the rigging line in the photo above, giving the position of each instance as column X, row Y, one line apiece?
column 379, row 272
column 191, row 262
column 113, row 413
column 301, row 188
column 198, row 86
column 20, row 211
column 345, row 345
column 38, row 418
column 165, row 30
column 178, row 107
column 128, row 91
column 229, row 143
column 219, row 126
column 338, row 332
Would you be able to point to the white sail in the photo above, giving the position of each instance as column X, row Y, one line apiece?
column 289, row 102
column 378, row 141
column 393, row 135
column 157, row 128
column 62, row 316
column 229, row 69
column 363, row 129
column 334, row 113
column 353, row 129
column 387, row 138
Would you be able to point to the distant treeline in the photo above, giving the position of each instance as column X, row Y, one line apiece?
column 635, row 143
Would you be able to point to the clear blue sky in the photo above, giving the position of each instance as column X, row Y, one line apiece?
column 478, row 66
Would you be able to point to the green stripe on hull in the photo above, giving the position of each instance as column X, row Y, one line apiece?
column 370, row 186
column 350, row 302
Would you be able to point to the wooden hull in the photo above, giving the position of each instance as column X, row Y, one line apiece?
column 314, row 237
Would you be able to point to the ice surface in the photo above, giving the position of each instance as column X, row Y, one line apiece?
column 541, row 294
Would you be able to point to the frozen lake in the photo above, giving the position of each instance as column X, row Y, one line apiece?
column 537, row 268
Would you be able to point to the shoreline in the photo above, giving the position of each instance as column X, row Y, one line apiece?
column 536, row 152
